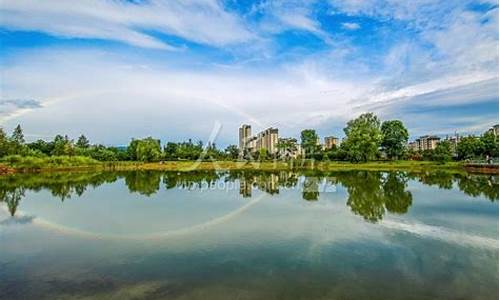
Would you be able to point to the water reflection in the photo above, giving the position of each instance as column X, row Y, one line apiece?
column 145, row 183
column 311, row 189
column 369, row 194
column 12, row 197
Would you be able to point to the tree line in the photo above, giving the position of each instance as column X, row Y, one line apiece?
column 147, row 149
column 366, row 139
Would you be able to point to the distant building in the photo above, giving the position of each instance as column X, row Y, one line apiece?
column 267, row 139
column 426, row 142
column 453, row 140
column 330, row 142
column 251, row 145
column 245, row 133
column 494, row 130
column 413, row 146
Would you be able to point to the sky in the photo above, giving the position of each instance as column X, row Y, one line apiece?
column 180, row 69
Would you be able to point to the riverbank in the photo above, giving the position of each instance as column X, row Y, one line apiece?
column 75, row 164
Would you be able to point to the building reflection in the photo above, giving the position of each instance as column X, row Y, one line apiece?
column 266, row 182
column 245, row 188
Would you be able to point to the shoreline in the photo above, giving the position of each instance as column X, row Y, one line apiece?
column 186, row 166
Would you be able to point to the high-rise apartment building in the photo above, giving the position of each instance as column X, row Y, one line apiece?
column 267, row 139
column 245, row 133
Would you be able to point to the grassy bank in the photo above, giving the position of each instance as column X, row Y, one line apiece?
column 61, row 163
column 323, row 166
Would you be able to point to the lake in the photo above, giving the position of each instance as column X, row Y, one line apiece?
column 248, row 235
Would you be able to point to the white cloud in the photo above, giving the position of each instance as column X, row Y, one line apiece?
column 97, row 90
column 203, row 21
column 417, row 11
column 351, row 26
column 10, row 107
column 279, row 16
column 454, row 63
column 112, row 98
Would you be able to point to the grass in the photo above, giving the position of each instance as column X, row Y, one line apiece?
column 69, row 163
column 280, row 165
column 19, row 162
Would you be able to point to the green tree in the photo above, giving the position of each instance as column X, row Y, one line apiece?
column 189, row 150
column 82, row 142
column 442, row 152
column 394, row 138
column 286, row 147
column 332, row 153
column 17, row 141
column 4, row 143
column 62, row 146
column 102, row 153
column 170, row 151
column 363, row 137
column 490, row 144
column 132, row 149
column 17, row 135
column 469, row 147
column 263, row 154
column 232, row 152
column 212, row 152
column 148, row 149
column 120, row 153
column 59, row 147
column 41, row 146
column 309, row 142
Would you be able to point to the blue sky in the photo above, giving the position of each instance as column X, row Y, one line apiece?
column 173, row 69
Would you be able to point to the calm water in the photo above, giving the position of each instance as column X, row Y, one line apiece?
column 249, row 235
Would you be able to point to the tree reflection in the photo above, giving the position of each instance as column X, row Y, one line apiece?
column 371, row 194
column 60, row 185
column 310, row 190
column 12, row 198
column 479, row 185
column 143, row 182
column 441, row 179
column 62, row 191
column 397, row 198
column 365, row 194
